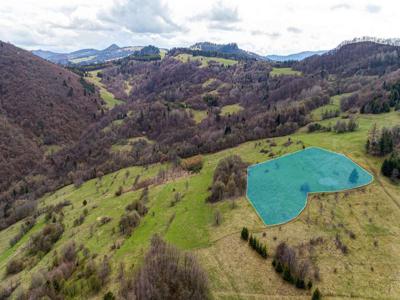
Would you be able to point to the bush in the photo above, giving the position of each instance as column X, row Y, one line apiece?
column 245, row 234
column 14, row 266
column 128, row 222
column 43, row 241
column 118, row 192
column 193, row 164
column 109, row 296
column 139, row 206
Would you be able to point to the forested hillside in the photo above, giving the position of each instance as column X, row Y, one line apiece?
column 105, row 170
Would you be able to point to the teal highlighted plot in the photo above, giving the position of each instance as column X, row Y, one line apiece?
column 278, row 188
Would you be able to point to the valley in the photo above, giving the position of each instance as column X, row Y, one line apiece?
column 370, row 213
column 124, row 176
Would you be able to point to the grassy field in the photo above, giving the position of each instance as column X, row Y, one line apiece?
column 369, row 271
column 230, row 109
column 199, row 115
column 108, row 98
column 205, row 60
column 284, row 71
column 126, row 145
column 334, row 105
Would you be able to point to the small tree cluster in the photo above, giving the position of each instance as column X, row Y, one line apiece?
column 166, row 273
column 229, row 179
column 391, row 167
column 259, row 247
column 384, row 141
column 43, row 241
column 59, row 281
column 329, row 114
column 292, row 270
column 138, row 206
column 342, row 126
column 25, row 227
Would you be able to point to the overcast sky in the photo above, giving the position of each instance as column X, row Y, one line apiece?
column 262, row 26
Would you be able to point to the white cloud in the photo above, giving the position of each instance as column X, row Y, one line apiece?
column 280, row 26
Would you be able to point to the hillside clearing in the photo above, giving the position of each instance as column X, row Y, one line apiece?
column 231, row 109
column 284, row 71
column 108, row 97
column 204, row 60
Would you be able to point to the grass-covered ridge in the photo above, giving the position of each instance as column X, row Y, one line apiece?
column 235, row 271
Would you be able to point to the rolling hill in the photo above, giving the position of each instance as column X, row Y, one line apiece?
column 85, row 219
column 88, row 56
column 43, row 106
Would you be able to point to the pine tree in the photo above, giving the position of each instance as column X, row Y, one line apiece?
column 287, row 275
column 300, row 283
column 245, row 234
column 316, row 295
column 279, row 268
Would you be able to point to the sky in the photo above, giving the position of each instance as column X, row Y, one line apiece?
column 261, row 26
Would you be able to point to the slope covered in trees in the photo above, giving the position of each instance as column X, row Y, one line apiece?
column 42, row 106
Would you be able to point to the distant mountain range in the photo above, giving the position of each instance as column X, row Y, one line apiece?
column 113, row 52
column 295, row 56
column 87, row 56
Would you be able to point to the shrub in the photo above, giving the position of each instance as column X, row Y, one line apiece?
column 109, row 296
column 245, row 234
column 139, row 206
column 79, row 220
column 118, row 192
column 43, row 241
column 128, row 222
column 193, row 164
column 14, row 266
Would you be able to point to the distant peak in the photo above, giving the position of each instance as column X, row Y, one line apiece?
column 112, row 47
